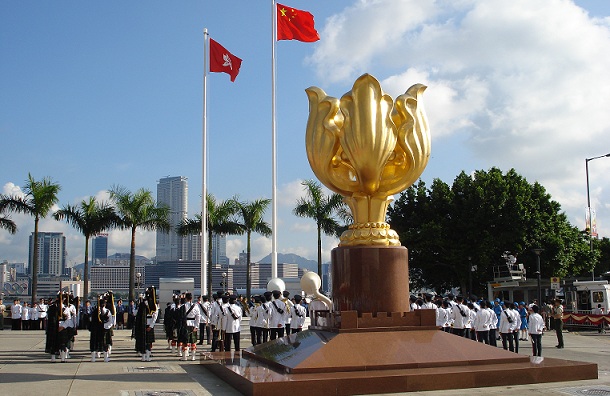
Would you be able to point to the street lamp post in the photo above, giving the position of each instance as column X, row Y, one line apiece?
column 589, row 207
column 224, row 281
column 138, row 282
column 538, row 251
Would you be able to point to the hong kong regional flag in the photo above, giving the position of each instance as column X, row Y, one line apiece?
column 223, row 61
column 293, row 24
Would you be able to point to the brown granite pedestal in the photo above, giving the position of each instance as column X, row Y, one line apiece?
column 379, row 351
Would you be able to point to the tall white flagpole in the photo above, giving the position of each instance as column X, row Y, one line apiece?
column 204, row 187
column 273, row 150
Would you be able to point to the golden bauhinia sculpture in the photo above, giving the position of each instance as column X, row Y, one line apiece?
column 367, row 148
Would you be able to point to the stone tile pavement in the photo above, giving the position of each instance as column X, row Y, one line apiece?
column 26, row 370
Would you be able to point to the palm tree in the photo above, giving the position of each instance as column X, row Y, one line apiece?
column 322, row 209
column 39, row 198
column 220, row 221
column 138, row 210
column 251, row 214
column 8, row 225
column 91, row 218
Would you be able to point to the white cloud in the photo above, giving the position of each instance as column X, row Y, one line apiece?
column 235, row 246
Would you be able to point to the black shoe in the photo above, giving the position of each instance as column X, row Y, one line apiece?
column 200, row 343
column 559, row 346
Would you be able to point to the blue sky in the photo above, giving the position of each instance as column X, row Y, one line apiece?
column 96, row 94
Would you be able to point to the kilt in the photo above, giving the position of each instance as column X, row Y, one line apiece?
column 191, row 335
column 63, row 338
column 150, row 335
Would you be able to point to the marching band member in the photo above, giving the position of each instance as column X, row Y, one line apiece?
column 277, row 316
column 102, row 321
column 188, row 332
column 267, row 308
column 232, row 327
column 66, row 327
column 298, row 314
column 289, row 305
column 204, row 324
column 146, row 316
column 52, row 329
column 258, row 320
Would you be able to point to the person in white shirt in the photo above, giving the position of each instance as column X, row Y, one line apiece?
column 460, row 314
column 482, row 322
column 204, row 324
column 298, row 314
column 535, row 327
column 428, row 304
column 258, row 320
column 413, row 303
column 514, row 310
column 188, row 334
column 268, row 297
column 233, row 314
column 509, row 322
column 34, row 319
column 42, row 313
column 442, row 316
column 25, row 316
column 599, row 311
column 470, row 330
column 16, row 310
column 2, row 310
column 215, row 321
column 493, row 324
column 278, row 315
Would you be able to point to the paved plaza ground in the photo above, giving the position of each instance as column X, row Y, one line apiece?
column 26, row 370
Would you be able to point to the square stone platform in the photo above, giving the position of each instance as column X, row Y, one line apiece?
column 318, row 362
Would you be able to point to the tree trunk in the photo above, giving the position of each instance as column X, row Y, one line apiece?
column 86, row 269
column 132, row 265
column 319, row 252
column 248, row 279
column 35, row 262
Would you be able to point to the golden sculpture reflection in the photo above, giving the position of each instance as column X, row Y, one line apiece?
column 367, row 148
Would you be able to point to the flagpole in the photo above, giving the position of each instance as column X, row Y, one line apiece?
column 204, row 187
column 273, row 150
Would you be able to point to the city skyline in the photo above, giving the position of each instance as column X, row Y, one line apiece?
column 117, row 88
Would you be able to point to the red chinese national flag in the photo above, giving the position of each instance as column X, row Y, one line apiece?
column 293, row 24
column 223, row 61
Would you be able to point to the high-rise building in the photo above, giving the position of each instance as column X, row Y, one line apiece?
column 173, row 192
column 193, row 247
column 99, row 249
column 51, row 253
column 219, row 250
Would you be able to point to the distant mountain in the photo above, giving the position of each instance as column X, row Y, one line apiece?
column 291, row 258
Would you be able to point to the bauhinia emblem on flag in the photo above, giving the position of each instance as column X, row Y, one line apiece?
column 223, row 61
column 293, row 24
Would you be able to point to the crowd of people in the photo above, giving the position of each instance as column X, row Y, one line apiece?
column 216, row 321
column 26, row 316
column 188, row 322
column 492, row 321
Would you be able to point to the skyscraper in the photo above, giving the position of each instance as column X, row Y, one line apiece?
column 99, row 249
column 51, row 253
column 173, row 192
column 219, row 250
